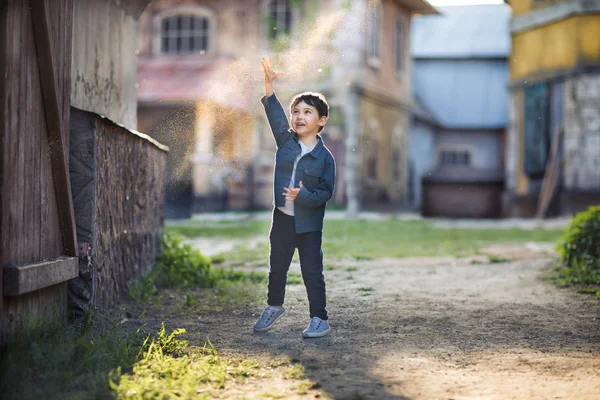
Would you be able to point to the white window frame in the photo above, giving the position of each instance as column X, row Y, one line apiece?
column 266, row 10
column 455, row 149
column 374, row 23
column 196, row 11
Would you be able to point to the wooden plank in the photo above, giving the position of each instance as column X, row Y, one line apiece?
column 550, row 175
column 3, row 134
column 56, row 130
column 28, row 278
column 44, row 305
column 522, row 184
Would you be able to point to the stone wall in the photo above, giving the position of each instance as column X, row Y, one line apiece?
column 118, row 182
column 582, row 133
column 579, row 185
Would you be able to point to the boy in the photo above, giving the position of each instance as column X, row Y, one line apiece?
column 304, row 181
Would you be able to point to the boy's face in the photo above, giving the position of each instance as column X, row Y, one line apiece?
column 306, row 120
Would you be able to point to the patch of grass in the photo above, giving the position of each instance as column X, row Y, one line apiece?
column 367, row 240
column 294, row 279
column 169, row 368
column 217, row 259
column 494, row 259
column 295, row 371
column 235, row 294
column 229, row 229
column 365, row 290
column 279, row 362
column 272, row 395
column 143, row 289
column 304, row 387
column 244, row 254
column 363, row 239
column 351, row 269
column 329, row 267
column 56, row 361
column 191, row 300
column 590, row 290
column 181, row 266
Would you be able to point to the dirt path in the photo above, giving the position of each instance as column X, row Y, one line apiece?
column 428, row 328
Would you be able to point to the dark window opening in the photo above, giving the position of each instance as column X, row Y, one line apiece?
column 448, row 157
column 280, row 16
column 184, row 34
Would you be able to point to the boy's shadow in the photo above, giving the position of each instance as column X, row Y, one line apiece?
column 337, row 364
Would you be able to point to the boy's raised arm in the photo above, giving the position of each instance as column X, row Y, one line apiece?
column 270, row 76
column 275, row 114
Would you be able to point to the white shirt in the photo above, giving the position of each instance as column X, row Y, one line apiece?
column 289, row 204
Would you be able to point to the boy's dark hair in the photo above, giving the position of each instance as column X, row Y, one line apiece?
column 317, row 100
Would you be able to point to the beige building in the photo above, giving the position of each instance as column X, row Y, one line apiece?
column 199, row 81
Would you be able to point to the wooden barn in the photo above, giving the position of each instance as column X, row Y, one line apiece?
column 81, row 205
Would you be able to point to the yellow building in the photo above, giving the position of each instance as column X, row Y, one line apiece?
column 555, row 87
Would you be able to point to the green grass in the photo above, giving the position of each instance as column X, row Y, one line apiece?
column 58, row 362
column 367, row 240
column 497, row 259
column 230, row 229
column 294, row 278
column 103, row 362
column 295, row 371
column 392, row 238
column 171, row 369
column 365, row 291
column 183, row 267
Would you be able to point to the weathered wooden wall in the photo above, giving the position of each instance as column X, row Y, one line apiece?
column 118, row 180
column 29, row 225
column 104, row 60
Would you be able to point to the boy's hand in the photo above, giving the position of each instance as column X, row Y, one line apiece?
column 270, row 74
column 290, row 194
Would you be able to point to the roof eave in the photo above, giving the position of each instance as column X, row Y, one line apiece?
column 418, row 7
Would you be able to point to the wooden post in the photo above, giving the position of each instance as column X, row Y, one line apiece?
column 54, row 122
column 550, row 175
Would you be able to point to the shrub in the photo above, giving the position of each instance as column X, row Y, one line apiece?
column 579, row 249
column 180, row 266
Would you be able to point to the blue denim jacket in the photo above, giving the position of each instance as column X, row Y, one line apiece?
column 316, row 170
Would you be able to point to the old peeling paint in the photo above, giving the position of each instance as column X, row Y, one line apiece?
column 104, row 61
column 559, row 46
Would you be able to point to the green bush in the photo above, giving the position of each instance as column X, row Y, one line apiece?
column 579, row 249
column 180, row 266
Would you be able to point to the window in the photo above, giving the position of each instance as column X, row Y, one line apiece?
column 372, row 167
column 280, row 18
column 453, row 157
column 396, row 165
column 184, row 31
column 399, row 46
column 374, row 26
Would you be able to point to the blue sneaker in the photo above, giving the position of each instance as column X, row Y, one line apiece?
column 316, row 328
column 268, row 317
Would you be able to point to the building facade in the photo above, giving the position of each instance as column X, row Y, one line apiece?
column 555, row 89
column 200, row 80
column 460, row 81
